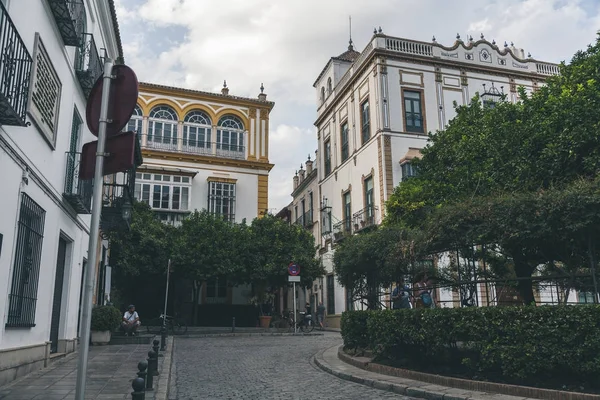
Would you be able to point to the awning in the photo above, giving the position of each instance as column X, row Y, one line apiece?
column 411, row 154
column 167, row 170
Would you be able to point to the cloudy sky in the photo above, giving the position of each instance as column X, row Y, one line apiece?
column 285, row 43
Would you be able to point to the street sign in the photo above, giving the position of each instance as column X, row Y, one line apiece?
column 121, row 155
column 294, row 269
column 123, row 98
column 293, row 278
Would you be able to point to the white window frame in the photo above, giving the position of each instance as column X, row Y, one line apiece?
column 162, row 116
column 230, row 126
column 135, row 122
column 194, row 122
column 150, row 180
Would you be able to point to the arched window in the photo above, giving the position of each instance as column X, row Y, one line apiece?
column 162, row 128
column 322, row 94
column 329, row 89
column 196, row 131
column 230, row 136
column 135, row 122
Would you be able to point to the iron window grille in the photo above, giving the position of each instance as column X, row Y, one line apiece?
column 28, row 255
column 330, row 295
column 221, row 200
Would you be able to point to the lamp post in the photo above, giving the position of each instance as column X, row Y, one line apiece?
column 492, row 96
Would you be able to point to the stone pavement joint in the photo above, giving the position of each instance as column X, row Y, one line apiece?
column 329, row 362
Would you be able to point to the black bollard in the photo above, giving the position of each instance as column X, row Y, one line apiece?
column 163, row 338
column 138, row 389
column 233, row 325
column 155, row 344
column 154, row 357
column 142, row 367
column 150, row 374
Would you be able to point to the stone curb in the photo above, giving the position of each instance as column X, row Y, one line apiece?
column 402, row 389
column 162, row 385
column 208, row 335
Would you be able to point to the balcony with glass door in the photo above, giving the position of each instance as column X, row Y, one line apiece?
column 15, row 73
column 172, row 144
column 70, row 19
column 365, row 218
column 77, row 192
column 88, row 64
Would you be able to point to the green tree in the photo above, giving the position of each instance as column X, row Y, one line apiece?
column 139, row 256
column 368, row 263
column 207, row 247
column 271, row 245
column 548, row 140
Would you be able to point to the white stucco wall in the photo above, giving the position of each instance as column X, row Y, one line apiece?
column 46, row 165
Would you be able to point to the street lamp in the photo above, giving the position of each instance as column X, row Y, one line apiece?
column 126, row 210
column 492, row 96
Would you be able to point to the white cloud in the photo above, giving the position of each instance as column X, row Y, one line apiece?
column 285, row 44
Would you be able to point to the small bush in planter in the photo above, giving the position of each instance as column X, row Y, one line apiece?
column 105, row 318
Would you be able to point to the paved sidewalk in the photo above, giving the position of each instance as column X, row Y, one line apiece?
column 328, row 361
column 111, row 369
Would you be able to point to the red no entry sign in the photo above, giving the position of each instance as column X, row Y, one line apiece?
column 294, row 269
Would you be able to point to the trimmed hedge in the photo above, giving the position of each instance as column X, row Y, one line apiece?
column 540, row 346
column 105, row 318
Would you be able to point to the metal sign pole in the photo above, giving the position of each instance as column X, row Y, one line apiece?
column 295, row 313
column 167, row 294
column 86, row 311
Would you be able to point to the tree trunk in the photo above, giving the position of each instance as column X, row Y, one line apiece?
column 196, row 296
column 525, row 284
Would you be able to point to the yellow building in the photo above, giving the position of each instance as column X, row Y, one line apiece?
column 203, row 150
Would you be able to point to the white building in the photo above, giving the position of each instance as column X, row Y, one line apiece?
column 50, row 57
column 204, row 151
column 374, row 111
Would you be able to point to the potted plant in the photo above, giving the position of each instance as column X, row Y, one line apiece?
column 264, row 301
column 105, row 319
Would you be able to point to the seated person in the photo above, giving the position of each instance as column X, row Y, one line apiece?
column 131, row 321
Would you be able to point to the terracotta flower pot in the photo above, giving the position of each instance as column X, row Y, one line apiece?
column 265, row 321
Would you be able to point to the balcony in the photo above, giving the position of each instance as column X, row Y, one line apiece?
column 196, row 147
column 342, row 229
column 306, row 219
column 70, row 18
column 15, row 72
column 300, row 220
column 88, row 64
column 365, row 218
column 78, row 193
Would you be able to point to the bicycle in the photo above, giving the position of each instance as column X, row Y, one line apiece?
column 175, row 326
column 286, row 323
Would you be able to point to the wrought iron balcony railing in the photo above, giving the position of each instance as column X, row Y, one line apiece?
column 306, row 219
column 300, row 220
column 70, row 18
column 78, row 193
column 365, row 218
column 188, row 146
column 342, row 229
column 15, row 73
column 88, row 64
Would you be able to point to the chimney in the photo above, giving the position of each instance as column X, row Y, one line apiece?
column 262, row 96
column 225, row 90
column 296, row 180
column 309, row 165
column 301, row 173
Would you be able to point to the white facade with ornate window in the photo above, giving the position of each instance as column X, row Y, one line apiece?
column 48, row 66
column 203, row 151
column 374, row 111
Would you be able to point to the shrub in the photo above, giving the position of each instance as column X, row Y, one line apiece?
column 105, row 318
column 527, row 345
column 354, row 329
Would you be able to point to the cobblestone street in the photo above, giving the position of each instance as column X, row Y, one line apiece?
column 260, row 367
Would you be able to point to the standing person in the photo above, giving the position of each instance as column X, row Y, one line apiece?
column 321, row 315
column 131, row 321
column 401, row 297
column 423, row 295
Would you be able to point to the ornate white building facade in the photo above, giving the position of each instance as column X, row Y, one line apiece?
column 51, row 54
column 203, row 151
column 375, row 109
